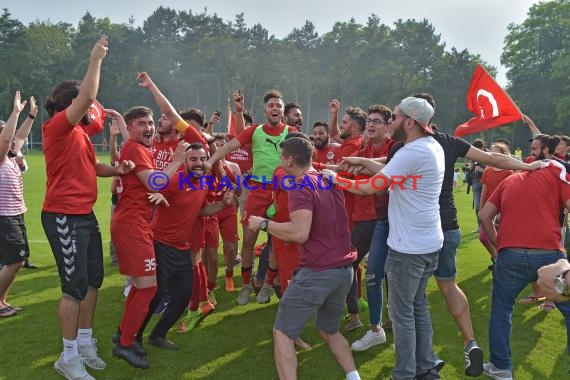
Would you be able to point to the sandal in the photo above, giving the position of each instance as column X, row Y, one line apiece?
column 531, row 299
column 547, row 306
column 7, row 312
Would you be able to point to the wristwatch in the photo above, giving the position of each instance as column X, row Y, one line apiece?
column 560, row 285
column 264, row 224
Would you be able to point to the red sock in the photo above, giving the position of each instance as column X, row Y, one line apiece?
column 271, row 274
column 246, row 275
column 229, row 273
column 194, row 300
column 211, row 285
column 359, row 281
column 134, row 316
column 128, row 302
column 203, row 291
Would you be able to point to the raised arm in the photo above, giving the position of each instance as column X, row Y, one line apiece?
column 163, row 103
column 530, row 124
column 90, row 83
column 334, row 107
column 9, row 130
column 238, row 106
column 113, row 149
column 26, row 126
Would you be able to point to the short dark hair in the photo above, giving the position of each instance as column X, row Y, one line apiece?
column 479, row 144
column 272, row 94
column 193, row 114
column 290, row 135
column 136, row 112
column 382, row 110
column 195, row 146
column 61, row 96
column 505, row 141
column 290, row 106
column 248, row 117
column 220, row 136
column 547, row 141
column 299, row 148
column 323, row 124
column 358, row 115
column 564, row 138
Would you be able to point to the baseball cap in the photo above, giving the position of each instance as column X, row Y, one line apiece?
column 420, row 110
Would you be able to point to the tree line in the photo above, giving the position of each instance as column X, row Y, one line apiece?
column 197, row 58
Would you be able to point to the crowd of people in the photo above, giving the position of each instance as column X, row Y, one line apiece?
column 407, row 230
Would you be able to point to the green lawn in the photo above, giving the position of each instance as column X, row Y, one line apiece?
column 236, row 342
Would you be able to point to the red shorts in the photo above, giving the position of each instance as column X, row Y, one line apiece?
column 197, row 235
column 212, row 231
column 258, row 200
column 227, row 220
column 288, row 259
column 135, row 249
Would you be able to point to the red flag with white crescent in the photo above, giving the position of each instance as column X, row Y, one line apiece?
column 489, row 103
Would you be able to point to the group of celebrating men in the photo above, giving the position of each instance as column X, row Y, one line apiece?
column 320, row 232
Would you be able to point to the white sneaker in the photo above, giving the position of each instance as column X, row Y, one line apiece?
column 243, row 297
column 90, row 357
column 370, row 339
column 73, row 370
column 498, row 374
column 265, row 293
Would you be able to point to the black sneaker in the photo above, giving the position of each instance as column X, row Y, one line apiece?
column 138, row 347
column 432, row 374
column 29, row 265
column 473, row 359
column 162, row 342
column 130, row 356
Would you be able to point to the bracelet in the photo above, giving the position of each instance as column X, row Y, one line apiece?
column 31, row 116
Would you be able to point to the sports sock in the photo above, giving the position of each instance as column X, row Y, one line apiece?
column 271, row 274
column 69, row 350
column 84, row 337
column 135, row 314
column 246, row 274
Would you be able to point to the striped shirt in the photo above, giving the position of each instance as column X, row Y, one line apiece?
column 11, row 189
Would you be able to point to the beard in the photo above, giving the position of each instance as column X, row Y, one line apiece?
column 540, row 157
column 398, row 133
column 320, row 144
column 345, row 134
column 12, row 154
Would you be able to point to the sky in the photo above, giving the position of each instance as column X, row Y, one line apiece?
column 477, row 25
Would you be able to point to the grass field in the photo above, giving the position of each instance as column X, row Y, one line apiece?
column 236, row 342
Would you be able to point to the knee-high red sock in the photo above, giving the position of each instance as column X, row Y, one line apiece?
column 195, row 300
column 128, row 301
column 134, row 316
column 203, row 292
column 359, row 281
column 229, row 273
column 246, row 275
column 271, row 274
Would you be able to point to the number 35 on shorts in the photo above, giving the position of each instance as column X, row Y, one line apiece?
column 150, row 265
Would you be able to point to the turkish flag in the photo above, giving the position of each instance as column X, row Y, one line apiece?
column 489, row 103
column 96, row 115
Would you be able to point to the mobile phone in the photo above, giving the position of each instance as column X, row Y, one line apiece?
column 218, row 113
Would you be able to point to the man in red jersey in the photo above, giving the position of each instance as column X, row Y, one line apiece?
column 186, row 201
column 325, row 151
column 523, row 245
column 294, row 116
column 132, row 219
column 67, row 214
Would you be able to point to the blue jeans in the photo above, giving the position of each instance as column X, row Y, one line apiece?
column 515, row 269
column 408, row 277
column 375, row 271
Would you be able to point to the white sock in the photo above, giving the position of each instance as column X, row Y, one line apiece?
column 69, row 350
column 84, row 337
column 353, row 375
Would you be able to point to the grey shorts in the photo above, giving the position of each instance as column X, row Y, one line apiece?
column 323, row 292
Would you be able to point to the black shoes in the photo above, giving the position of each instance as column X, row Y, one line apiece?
column 162, row 342
column 130, row 356
column 137, row 347
column 29, row 265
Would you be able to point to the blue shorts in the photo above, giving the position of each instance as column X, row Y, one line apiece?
column 446, row 265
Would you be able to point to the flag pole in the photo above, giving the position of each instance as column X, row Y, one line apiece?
column 228, row 113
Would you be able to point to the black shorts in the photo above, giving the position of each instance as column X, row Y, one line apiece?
column 76, row 244
column 14, row 246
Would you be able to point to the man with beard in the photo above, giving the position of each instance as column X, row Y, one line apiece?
column 265, row 140
column 68, row 220
column 14, row 248
column 415, row 235
column 185, row 201
column 353, row 126
column 325, row 151
column 131, row 231
column 293, row 116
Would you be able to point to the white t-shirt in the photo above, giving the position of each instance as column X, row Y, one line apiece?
column 413, row 212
